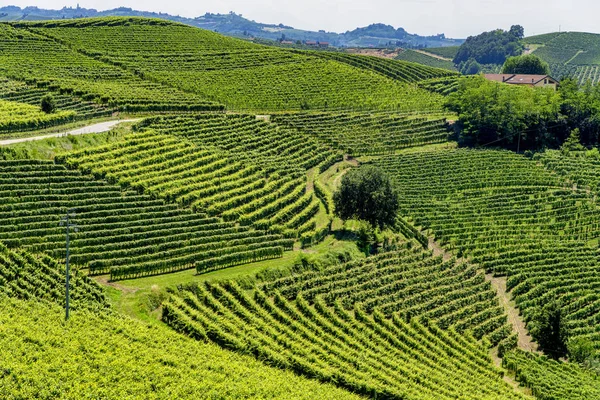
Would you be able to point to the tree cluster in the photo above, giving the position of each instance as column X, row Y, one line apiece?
column 527, row 64
column 490, row 48
column 524, row 118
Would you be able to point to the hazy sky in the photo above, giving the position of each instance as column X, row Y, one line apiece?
column 455, row 18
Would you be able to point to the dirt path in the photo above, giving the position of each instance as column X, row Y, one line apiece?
column 95, row 128
column 433, row 55
column 105, row 281
column 524, row 340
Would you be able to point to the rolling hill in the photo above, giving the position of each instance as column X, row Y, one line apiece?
column 573, row 54
column 236, row 25
column 209, row 261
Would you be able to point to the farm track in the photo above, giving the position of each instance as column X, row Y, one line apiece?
column 524, row 341
column 95, row 128
column 432, row 55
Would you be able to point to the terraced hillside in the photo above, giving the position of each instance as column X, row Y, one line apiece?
column 21, row 92
column 552, row 379
column 316, row 324
column 367, row 133
column 26, row 56
column 427, row 59
column 122, row 233
column 413, row 71
column 239, row 74
column 233, row 166
column 574, row 54
column 109, row 356
column 16, row 116
column 41, row 278
column 513, row 218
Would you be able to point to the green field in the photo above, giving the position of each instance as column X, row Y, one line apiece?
column 208, row 260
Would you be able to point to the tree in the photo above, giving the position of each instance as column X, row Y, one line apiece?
column 48, row 104
column 517, row 31
column 528, row 64
column 366, row 194
column 573, row 143
column 505, row 115
column 491, row 47
column 471, row 67
column 549, row 330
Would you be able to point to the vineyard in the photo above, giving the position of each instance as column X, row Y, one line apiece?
column 236, row 167
column 424, row 59
column 363, row 352
column 40, row 61
column 25, row 276
column 122, row 233
column 570, row 54
column 413, row 71
column 18, row 116
column 209, row 260
column 362, row 133
column 106, row 356
column 514, row 219
column 21, row 92
column 240, row 75
column 446, row 52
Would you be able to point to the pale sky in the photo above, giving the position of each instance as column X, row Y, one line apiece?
column 455, row 18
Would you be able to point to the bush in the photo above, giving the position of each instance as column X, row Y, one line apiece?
column 48, row 104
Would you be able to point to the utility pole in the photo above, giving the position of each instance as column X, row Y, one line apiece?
column 66, row 222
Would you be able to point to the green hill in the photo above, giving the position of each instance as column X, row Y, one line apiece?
column 209, row 222
column 233, row 72
column 575, row 54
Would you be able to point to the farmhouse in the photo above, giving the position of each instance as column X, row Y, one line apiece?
column 524, row 79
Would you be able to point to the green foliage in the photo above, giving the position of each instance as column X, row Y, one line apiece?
column 366, row 194
column 573, row 143
column 446, row 51
column 367, row 133
column 332, row 341
column 402, row 71
column 242, row 75
column 48, row 104
column 120, row 232
column 22, row 92
column 15, row 117
column 103, row 355
column 547, row 327
column 550, row 379
column 527, row 64
column 470, row 67
column 43, row 62
column 512, row 217
column 491, row 47
column 424, row 59
column 580, row 350
column 506, row 115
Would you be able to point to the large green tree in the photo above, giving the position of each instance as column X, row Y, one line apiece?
column 366, row 194
column 491, row 47
column 527, row 64
column 492, row 113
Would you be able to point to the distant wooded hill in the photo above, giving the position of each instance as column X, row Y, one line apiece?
column 376, row 35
